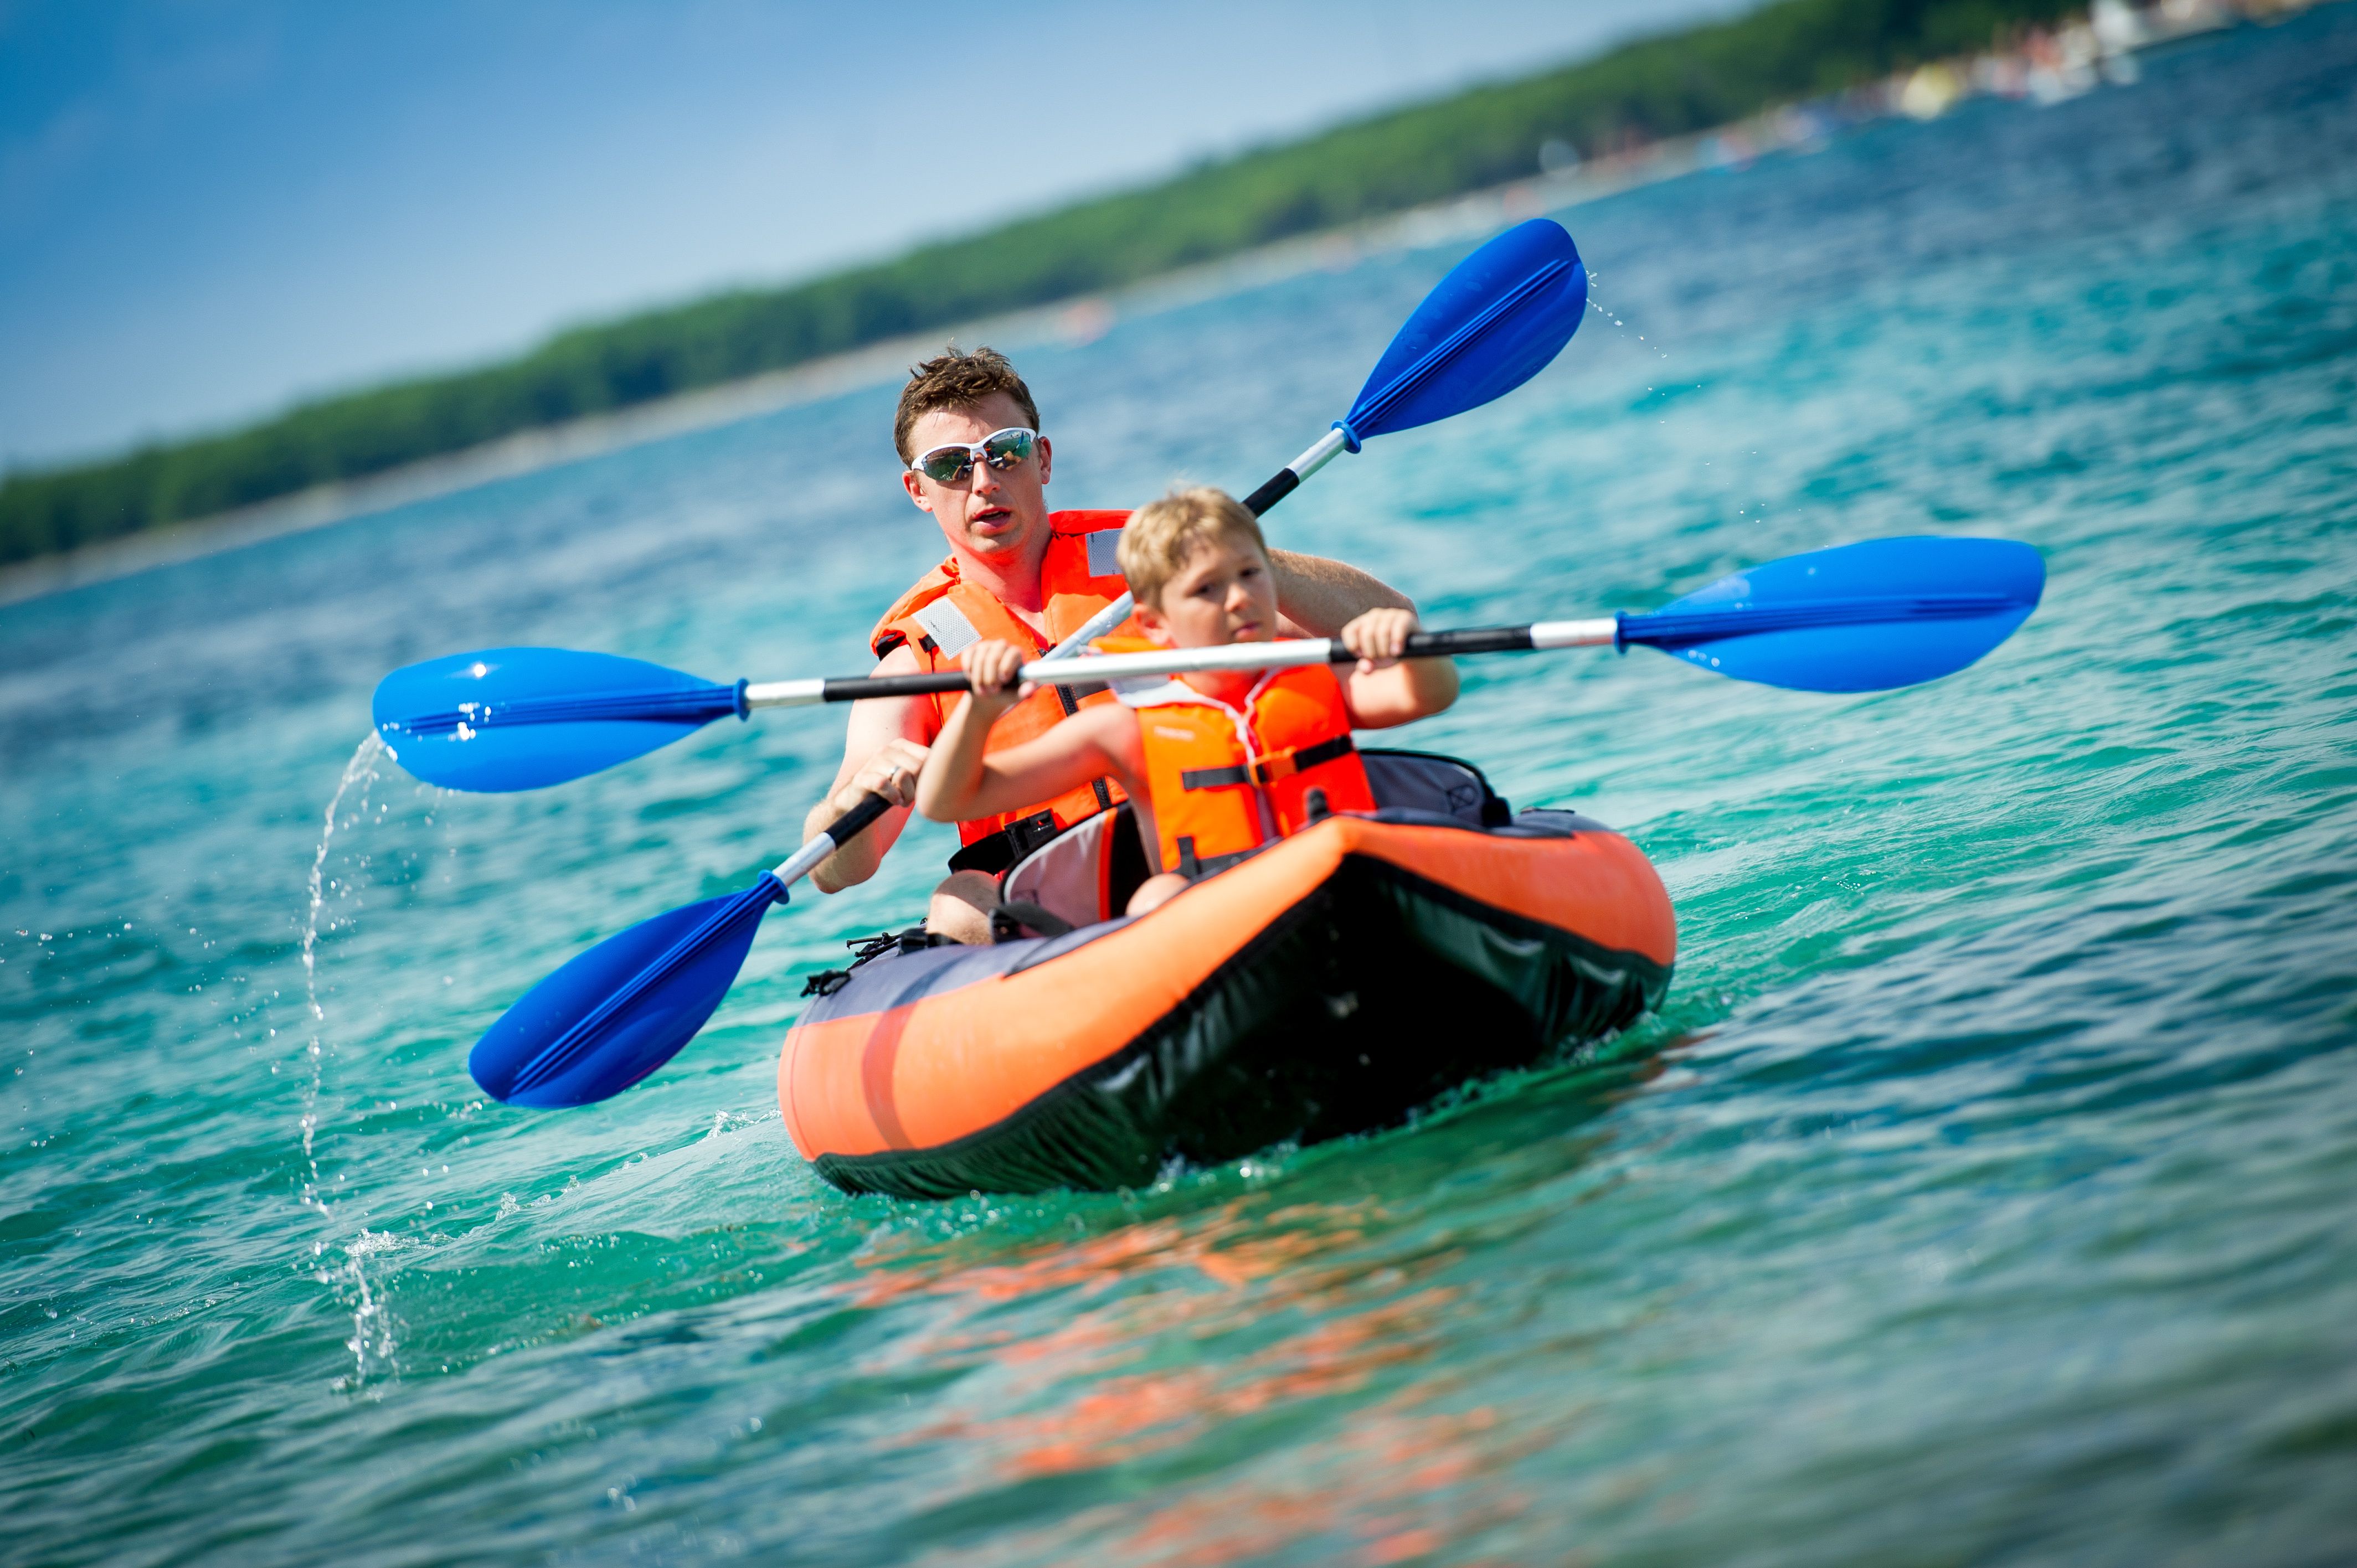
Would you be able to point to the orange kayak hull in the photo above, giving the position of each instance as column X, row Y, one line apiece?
column 1328, row 985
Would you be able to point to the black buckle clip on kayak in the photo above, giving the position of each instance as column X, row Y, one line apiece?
column 864, row 949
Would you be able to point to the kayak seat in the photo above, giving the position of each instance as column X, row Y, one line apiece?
column 1084, row 876
column 1428, row 783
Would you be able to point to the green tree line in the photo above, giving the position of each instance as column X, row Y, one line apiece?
column 1658, row 87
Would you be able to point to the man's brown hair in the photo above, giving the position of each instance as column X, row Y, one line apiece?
column 1161, row 536
column 955, row 379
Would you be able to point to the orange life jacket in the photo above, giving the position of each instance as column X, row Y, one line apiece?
column 1224, row 781
column 943, row 616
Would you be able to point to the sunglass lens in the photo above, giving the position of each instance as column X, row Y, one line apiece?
column 1007, row 448
column 946, row 464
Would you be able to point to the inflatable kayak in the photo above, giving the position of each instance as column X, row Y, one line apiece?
column 1329, row 984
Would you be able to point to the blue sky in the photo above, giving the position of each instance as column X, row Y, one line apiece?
column 209, row 208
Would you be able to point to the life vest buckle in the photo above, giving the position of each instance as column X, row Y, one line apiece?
column 1296, row 759
column 994, row 852
column 1279, row 765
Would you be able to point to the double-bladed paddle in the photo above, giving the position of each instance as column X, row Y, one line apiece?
column 1858, row 618
column 519, row 718
column 1499, row 318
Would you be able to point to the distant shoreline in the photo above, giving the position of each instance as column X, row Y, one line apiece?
column 525, row 452
column 548, row 447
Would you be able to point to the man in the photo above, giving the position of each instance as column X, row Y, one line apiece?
column 967, row 430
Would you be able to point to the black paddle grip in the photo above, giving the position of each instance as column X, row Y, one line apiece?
column 858, row 688
column 1442, row 644
column 1471, row 639
column 846, row 827
column 1276, row 490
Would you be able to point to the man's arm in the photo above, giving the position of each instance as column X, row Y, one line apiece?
column 1317, row 597
column 883, row 752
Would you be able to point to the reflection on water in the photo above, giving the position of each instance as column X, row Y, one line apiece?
column 1199, row 1326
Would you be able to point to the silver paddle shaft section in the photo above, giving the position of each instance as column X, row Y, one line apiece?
column 803, row 861
column 1096, row 626
column 1320, row 453
column 1602, row 631
column 1052, row 670
column 784, row 694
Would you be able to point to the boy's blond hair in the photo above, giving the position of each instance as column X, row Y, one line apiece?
column 1161, row 535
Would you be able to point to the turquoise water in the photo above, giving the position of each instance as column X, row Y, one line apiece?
column 1981, row 1194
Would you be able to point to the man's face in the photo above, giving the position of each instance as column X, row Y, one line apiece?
column 996, row 514
column 1225, row 594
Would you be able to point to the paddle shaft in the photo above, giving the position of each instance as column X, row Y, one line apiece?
column 1288, row 478
column 1095, row 672
column 830, row 838
column 1668, row 629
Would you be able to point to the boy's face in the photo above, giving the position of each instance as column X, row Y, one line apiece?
column 1225, row 594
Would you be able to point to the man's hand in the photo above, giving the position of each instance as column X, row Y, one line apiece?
column 1379, row 637
column 891, row 772
column 992, row 668
column 883, row 749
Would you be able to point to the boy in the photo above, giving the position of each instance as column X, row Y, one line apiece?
column 1215, row 763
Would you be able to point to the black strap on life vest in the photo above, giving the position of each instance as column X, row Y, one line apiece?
column 1268, row 770
column 1069, row 696
column 995, row 853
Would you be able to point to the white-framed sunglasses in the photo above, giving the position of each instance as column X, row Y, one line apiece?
column 1002, row 449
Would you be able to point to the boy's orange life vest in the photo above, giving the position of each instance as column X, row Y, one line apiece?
column 1224, row 780
column 943, row 616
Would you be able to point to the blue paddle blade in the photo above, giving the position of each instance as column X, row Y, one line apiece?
column 617, row 1012
column 1494, row 322
column 518, row 718
column 1858, row 618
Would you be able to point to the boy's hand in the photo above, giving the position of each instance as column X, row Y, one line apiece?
column 1379, row 637
column 991, row 668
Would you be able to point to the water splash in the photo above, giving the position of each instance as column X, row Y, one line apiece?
column 1756, row 510
column 372, row 1341
column 360, row 773
column 1608, row 314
